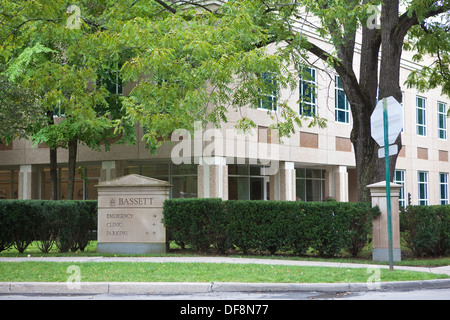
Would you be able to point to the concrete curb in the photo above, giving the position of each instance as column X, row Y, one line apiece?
column 91, row 288
column 59, row 288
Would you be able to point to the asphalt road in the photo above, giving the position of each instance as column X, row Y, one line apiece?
column 435, row 294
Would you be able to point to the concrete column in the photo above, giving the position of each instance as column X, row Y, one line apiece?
column 213, row 178
column 380, row 251
column 111, row 170
column 336, row 183
column 28, row 182
column 341, row 183
column 282, row 184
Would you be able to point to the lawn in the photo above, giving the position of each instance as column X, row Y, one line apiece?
column 200, row 272
column 195, row 272
column 366, row 258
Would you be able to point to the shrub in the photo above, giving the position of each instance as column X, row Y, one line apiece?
column 7, row 217
column 199, row 223
column 426, row 229
column 258, row 225
column 272, row 226
column 87, row 222
column 64, row 223
column 23, row 215
column 45, row 229
column 361, row 216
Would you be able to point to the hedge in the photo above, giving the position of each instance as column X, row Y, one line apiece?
column 328, row 227
column 426, row 229
column 65, row 223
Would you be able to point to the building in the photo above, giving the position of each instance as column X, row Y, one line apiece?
column 312, row 165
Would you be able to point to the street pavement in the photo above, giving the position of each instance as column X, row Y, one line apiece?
column 137, row 288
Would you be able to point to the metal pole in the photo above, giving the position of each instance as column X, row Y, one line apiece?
column 388, row 183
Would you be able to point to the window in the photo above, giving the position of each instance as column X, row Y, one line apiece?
column 341, row 103
column 111, row 79
column 421, row 123
column 269, row 92
column 86, row 178
column 245, row 182
column 423, row 187
column 9, row 184
column 183, row 177
column 58, row 111
column 310, row 184
column 442, row 120
column 308, row 92
column 399, row 178
column 443, row 187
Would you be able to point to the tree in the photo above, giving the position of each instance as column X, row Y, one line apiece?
column 432, row 39
column 364, row 91
column 17, row 107
column 197, row 65
column 195, row 60
column 181, row 50
column 62, row 60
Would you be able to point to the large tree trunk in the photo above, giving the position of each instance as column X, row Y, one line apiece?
column 53, row 174
column 53, row 164
column 370, row 168
column 72, row 166
column 363, row 93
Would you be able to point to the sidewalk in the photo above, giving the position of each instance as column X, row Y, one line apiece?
column 200, row 287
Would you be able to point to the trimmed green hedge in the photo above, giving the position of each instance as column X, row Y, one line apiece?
column 65, row 223
column 328, row 227
column 426, row 229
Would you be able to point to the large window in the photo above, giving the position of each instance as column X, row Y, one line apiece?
column 307, row 89
column 9, row 184
column 246, row 183
column 182, row 177
column 399, row 178
column 112, row 79
column 310, row 184
column 269, row 92
column 443, row 188
column 86, row 178
column 342, row 112
column 442, row 120
column 421, row 119
column 422, row 181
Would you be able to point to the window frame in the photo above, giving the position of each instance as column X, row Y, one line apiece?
column 313, row 177
column 339, row 91
column 421, row 121
column 401, row 181
column 422, row 199
column 311, row 98
column 269, row 79
column 443, row 186
column 442, row 119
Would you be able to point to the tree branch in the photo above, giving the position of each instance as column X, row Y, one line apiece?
column 405, row 22
column 166, row 6
column 16, row 29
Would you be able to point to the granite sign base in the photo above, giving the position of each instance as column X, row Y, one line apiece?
column 130, row 213
column 131, row 248
column 382, row 255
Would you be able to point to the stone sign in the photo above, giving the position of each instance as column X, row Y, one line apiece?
column 130, row 215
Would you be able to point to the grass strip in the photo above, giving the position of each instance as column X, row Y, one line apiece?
column 198, row 272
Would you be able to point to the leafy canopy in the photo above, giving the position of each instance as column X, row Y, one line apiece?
column 187, row 61
column 62, row 67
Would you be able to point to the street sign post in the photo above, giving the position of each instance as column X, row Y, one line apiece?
column 386, row 124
